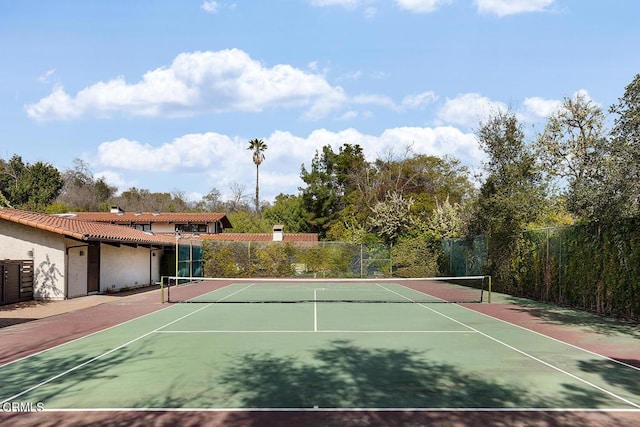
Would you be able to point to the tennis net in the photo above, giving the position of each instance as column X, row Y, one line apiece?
column 470, row 289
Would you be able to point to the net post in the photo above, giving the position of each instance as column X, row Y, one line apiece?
column 161, row 289
column 489, row 290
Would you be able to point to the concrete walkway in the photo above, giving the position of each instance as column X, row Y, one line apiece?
column 21, row 312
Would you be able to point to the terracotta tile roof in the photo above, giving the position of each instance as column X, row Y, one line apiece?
column 260, row 237
column 149, row 217
column 84, row 230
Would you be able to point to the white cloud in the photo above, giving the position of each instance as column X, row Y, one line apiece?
column 419, row 100
column 372, row 99
column 421, row 6
column 58, row 105
column 493, row 7
column 197, row 82
column 537, row 108
column 210, row 6
column 370, row 12
column 587, row 97
column 439, row 141
column 351, row 114
column 222, row 81
column 355, row 75
column 409, row 102
column 192, row 151
column 44, row 78
column 511, row 7
column 469, row 109
column 224, row 160
column 115, row 179
column 540, row 108
column 347, row 4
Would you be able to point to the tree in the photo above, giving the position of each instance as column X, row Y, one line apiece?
column 446, row 220
column 29, row 187
column 571, row 147
column 624, row 160
column 392, row 216
column 330, row 184
column 511, row 196
column 82, row 192
column 211, row 202
column 423, row 176
column 288, row 211
column 237, row 201
column 258, row 147
column 143, row 200
column 4, row 202
column 247, row 221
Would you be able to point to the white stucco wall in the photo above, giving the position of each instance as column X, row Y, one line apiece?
column 77, row 262
column 161, row 227
column 125, row 266
column 16, row 240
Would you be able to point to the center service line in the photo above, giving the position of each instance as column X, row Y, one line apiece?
column 315, row 310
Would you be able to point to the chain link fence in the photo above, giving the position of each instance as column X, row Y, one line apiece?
column 465, row 257
column 276, row 259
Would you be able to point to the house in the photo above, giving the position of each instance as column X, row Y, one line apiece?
column 72, row 257
column 195, row 225
column 75, row 254
column 278, row 235
column 160, row 222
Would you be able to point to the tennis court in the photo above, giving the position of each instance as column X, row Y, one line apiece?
column 320, row 345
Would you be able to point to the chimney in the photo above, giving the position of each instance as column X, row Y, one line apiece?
column 278, row 233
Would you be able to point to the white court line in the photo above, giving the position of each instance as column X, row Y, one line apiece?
column 554, row 339
column 355, row 409
column 83, row 337
column 224, row 287
column 278, row 331
column 315, row 307
column 532, row 331
column 233, row 293
column 636, row 405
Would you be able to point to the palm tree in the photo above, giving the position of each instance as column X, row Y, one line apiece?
column 258, row 147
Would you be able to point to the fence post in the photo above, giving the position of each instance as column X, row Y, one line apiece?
column 560, row 244
column 466, row 262
column 450, row 244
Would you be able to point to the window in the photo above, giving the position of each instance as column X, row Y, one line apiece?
column 143, row 227
column 192, row 228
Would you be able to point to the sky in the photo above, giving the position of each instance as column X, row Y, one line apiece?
column 165, row 95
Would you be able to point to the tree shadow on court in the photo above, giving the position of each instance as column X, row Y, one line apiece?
column 343, row 375
column 554, row 314
column 339, row 375
column 615, row 374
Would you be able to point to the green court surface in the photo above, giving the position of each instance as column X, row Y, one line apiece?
column 313, row 355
